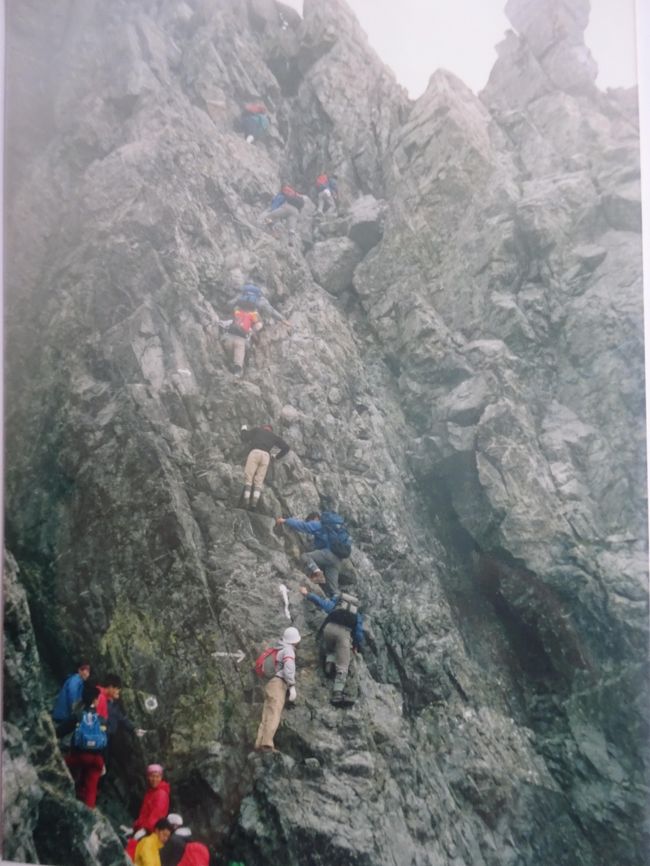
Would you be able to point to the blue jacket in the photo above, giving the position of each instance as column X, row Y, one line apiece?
column 277, row 201
column 328, row 605
column 68, row 696
column 310, row 527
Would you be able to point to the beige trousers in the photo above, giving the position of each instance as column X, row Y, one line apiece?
column 274, row 696
column 257, row 463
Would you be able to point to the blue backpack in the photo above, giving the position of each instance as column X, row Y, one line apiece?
column 89, row 734
column 250, row 294
column 338, row 538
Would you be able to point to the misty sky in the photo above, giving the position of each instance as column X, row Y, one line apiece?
column 416, row 37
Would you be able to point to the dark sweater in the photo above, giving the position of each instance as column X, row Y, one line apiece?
column 265, row 440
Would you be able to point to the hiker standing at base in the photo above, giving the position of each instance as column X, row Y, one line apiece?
column 286, row 206
column 155, row 803
column 248, row 308
column 331, row 545
column 69, row 700
column 174, row 848
column 261, row 442
column 255, row 120
column 283, row 679
column 147, row 852
column 85, row 759
column 327, row 191
column 342, row 634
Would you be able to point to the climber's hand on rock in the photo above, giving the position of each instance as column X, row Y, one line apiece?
column 292, row 694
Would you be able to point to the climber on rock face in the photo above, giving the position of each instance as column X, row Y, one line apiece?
column 342, row 633
column 68, row 699
column 147, row 852
column 331, row 545
column 255, row 120
column 327, row 191
column 262, row 442
column 275, row 693
column 251, row 296
column 286, row 205
column 246, row 322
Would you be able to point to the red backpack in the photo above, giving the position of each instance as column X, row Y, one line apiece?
column 266, row 666
column 288, row 191
column 321, row 182
column 255, row 108
column 243, row 322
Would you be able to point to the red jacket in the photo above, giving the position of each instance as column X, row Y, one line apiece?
column 102, row 703
column 195, row 854
column 155, row 805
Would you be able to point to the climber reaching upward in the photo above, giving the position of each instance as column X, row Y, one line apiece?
column 331, row 545
column 281, row 676
column 341, row 634
column 246, row 322
column 251, row 296
column 262, row 442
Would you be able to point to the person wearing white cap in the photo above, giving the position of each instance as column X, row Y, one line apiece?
column 172, row 853
column 275, row 692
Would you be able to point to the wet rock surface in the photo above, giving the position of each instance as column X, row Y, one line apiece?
column 463, row 380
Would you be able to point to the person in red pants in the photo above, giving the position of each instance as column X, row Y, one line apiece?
column 85, row 758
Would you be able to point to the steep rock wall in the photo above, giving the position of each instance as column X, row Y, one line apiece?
column 451, row 394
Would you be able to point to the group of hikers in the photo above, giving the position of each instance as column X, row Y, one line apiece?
column 87, row 714
column 287, row 202
column 342, row 634
column 86, row 717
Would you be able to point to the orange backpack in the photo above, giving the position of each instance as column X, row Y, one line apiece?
column 243, row 322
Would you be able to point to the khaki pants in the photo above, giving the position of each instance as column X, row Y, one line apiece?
column 237, row 346
column 337, row 641
column 257, row 463
column 286, row 212
column 274, row 697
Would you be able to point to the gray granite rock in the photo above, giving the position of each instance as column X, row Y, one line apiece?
column 463, row 380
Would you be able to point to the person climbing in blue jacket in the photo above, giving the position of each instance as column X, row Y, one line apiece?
column 342, row 633
column 69, row 700
column 331, row 545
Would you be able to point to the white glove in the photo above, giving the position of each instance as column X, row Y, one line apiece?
column 292, row 693
column 140, row 834
column 140, row 732
column 128, row 831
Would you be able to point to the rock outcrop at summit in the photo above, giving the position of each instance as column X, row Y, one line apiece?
column 463, row 381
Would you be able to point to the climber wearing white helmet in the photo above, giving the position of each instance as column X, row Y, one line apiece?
column 275, row 692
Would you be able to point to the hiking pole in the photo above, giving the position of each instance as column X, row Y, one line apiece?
column 284, row 592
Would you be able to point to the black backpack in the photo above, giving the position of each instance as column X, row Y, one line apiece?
column 346, row 611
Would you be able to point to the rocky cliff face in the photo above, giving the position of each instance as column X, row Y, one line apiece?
column 463, row 380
